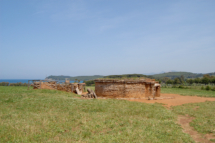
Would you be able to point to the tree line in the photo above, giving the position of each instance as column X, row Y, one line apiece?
column 13, row 84
column 206, row 79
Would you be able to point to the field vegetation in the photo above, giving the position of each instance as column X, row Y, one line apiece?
column 186, row 75
column 56, row 116
column 204, row 117
column 13, row 84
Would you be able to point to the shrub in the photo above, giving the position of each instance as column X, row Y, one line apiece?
column 181, row 86
column 4, row 83
column 174, row 86
column 208, row 88
column 18, row 84
column 89, row 83
column 202, row 88
column 213, row 89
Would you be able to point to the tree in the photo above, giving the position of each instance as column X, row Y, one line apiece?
column 176, row 81
column 165, row 79
column 190, row 81
column 169, row 81
column 213, row 80
column 205, row 80
column 181, row 79
column 197, row 80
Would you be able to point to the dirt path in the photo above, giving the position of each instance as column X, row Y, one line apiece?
column 184, row 121
column 176, row 100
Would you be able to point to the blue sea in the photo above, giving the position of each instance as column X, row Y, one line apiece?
column 26, row 80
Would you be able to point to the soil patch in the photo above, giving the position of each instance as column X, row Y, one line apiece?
column 184, row 121
column 175, row 100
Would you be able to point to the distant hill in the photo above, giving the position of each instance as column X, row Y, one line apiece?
column 82, row 78
column 173, row 75
column 170, row 75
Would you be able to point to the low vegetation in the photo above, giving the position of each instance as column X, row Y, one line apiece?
column 13, row 84
column 204, row 121
column 56, row 116
column 125, row 76
column 190, row 92
column 186, row 75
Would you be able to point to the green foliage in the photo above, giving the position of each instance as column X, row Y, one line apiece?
column 126, row 76
column 202, row 88
column 213, row 89
column 181, row 86
column 176, row 81
column 205, row 80
column 89, row 82
column 4, row 83
column 18, row 84
column 208, row 88
column 13, row 84
column 186, row 75
column 169, row 81
column 189, row 92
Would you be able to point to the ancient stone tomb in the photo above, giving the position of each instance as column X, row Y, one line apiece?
column 111, row 88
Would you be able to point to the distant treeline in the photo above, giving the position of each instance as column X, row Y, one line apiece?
column 126, row 76
column 206, row 79
column 89, row 83
column 173, row 75
column 13, row 84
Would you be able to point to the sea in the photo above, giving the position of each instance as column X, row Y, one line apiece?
column 26, row 80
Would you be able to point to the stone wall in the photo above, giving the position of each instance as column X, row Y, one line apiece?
column 77, row 88
column 126, row 89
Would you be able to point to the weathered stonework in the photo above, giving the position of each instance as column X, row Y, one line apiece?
column 127, row 88
column 77, row 88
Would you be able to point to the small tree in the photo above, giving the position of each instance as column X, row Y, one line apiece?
column 205, row 80
column 169, row 81
column 176, row 81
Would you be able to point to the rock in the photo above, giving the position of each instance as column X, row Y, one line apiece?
column 90, row 94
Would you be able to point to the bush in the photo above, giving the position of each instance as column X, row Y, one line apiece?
column 18, row 84
column 181, row 86
column 89, row 82
column 202, row 88
column 208, row 88
column 174, row 86
column 4, row 83
column 213, row 89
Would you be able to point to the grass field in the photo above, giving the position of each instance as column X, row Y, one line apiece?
column 190, row 92
column 204, row 117
column 204, row 121
column 55, row 116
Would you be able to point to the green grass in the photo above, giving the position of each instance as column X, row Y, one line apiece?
column 204, row 121
column 90, row 87
column 56, row 116
column 190, row 92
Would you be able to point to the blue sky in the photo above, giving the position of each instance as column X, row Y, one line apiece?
column 104, row 37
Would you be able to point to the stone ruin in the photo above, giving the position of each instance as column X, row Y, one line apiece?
column 77, row 88
column 108, row 88
column 127, row 88
column 90, row 94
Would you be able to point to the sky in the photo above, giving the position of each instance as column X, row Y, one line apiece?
column 39, row 38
